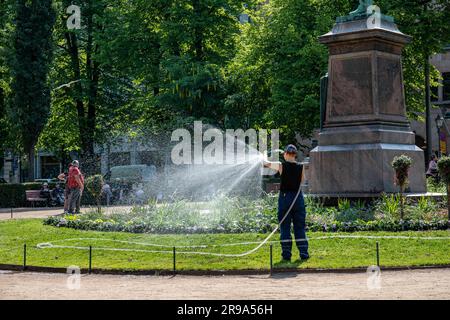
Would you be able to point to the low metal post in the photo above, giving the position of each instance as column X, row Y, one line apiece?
column 378, row 254
column 90, row 260
column 11, row 213
column 271, row 260
column 174, row 261
column 24, row 256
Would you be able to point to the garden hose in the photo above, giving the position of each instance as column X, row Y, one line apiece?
column 52, row 245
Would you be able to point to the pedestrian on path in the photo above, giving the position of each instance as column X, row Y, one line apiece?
column 76, row 187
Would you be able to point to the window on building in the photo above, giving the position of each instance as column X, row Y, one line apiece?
column 446, row 86
column 434, row 94
column 50, row 167
column 119, row 159
column 2, row 163
column 150, row 158
column 244, row 18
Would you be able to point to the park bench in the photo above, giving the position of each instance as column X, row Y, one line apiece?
column 33, row 196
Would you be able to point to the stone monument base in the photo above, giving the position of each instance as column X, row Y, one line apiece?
column 355, row 162
column 364, row 123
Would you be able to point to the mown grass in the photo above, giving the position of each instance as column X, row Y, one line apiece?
column 326, row 253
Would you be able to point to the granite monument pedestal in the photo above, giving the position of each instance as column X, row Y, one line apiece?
column 365, row 123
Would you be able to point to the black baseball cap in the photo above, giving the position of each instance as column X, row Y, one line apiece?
column 290, row 148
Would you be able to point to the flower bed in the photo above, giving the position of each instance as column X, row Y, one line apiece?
column 336, row 226
column 233, row 215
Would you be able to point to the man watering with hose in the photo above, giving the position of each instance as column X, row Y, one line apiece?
column 291, row 205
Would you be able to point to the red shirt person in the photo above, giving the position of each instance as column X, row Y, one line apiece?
column 75, row 179
column 76, row 185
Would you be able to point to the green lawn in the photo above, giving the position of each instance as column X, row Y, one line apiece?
column 325, row 253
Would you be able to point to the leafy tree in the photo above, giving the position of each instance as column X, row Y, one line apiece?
column 94, row 185
column 277, row 70
column 81, row 70
column 427, row 22
column 30, row 67
column 151, row 65
column 60, row 134
column 161, row 63
column 6, row 16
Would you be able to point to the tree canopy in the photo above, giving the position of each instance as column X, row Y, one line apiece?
column 153, row 65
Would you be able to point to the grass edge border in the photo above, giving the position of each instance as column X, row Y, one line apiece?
column 243, row 272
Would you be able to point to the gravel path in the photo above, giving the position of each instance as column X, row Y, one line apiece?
column 24, row 213
column 412, row 284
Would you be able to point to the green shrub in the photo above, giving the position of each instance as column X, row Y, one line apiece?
column 87, row 198
column 388, row 206
column 401, row 165
column 94, row 185
column 434, row 187
column 444, row 169
column 344, row 204
column 12, row 195
column 37, row 185
column 424, row 209
column 444, row 172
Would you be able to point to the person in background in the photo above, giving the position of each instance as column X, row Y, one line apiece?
column 139, row 194
column 76, row 186
column 45, row 193
column 64, row 177
column 433, row 168
column 291, row 174
column 106, row 190
column 59, row 195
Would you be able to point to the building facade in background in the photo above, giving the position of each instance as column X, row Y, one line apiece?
column 441, row 107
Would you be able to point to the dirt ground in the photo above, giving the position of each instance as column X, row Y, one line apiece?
column 412, row 284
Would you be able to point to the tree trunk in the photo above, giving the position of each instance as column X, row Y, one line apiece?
column 72, row 45
column 198, row 32
column 448, row 203
column 86, row 118
column 31, row 167
column 428, row 109
column 93, row 74
column 401, row 204
column 198, row 46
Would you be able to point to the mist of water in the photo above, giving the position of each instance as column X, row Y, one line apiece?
column 208, row 182
column 205, row 182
